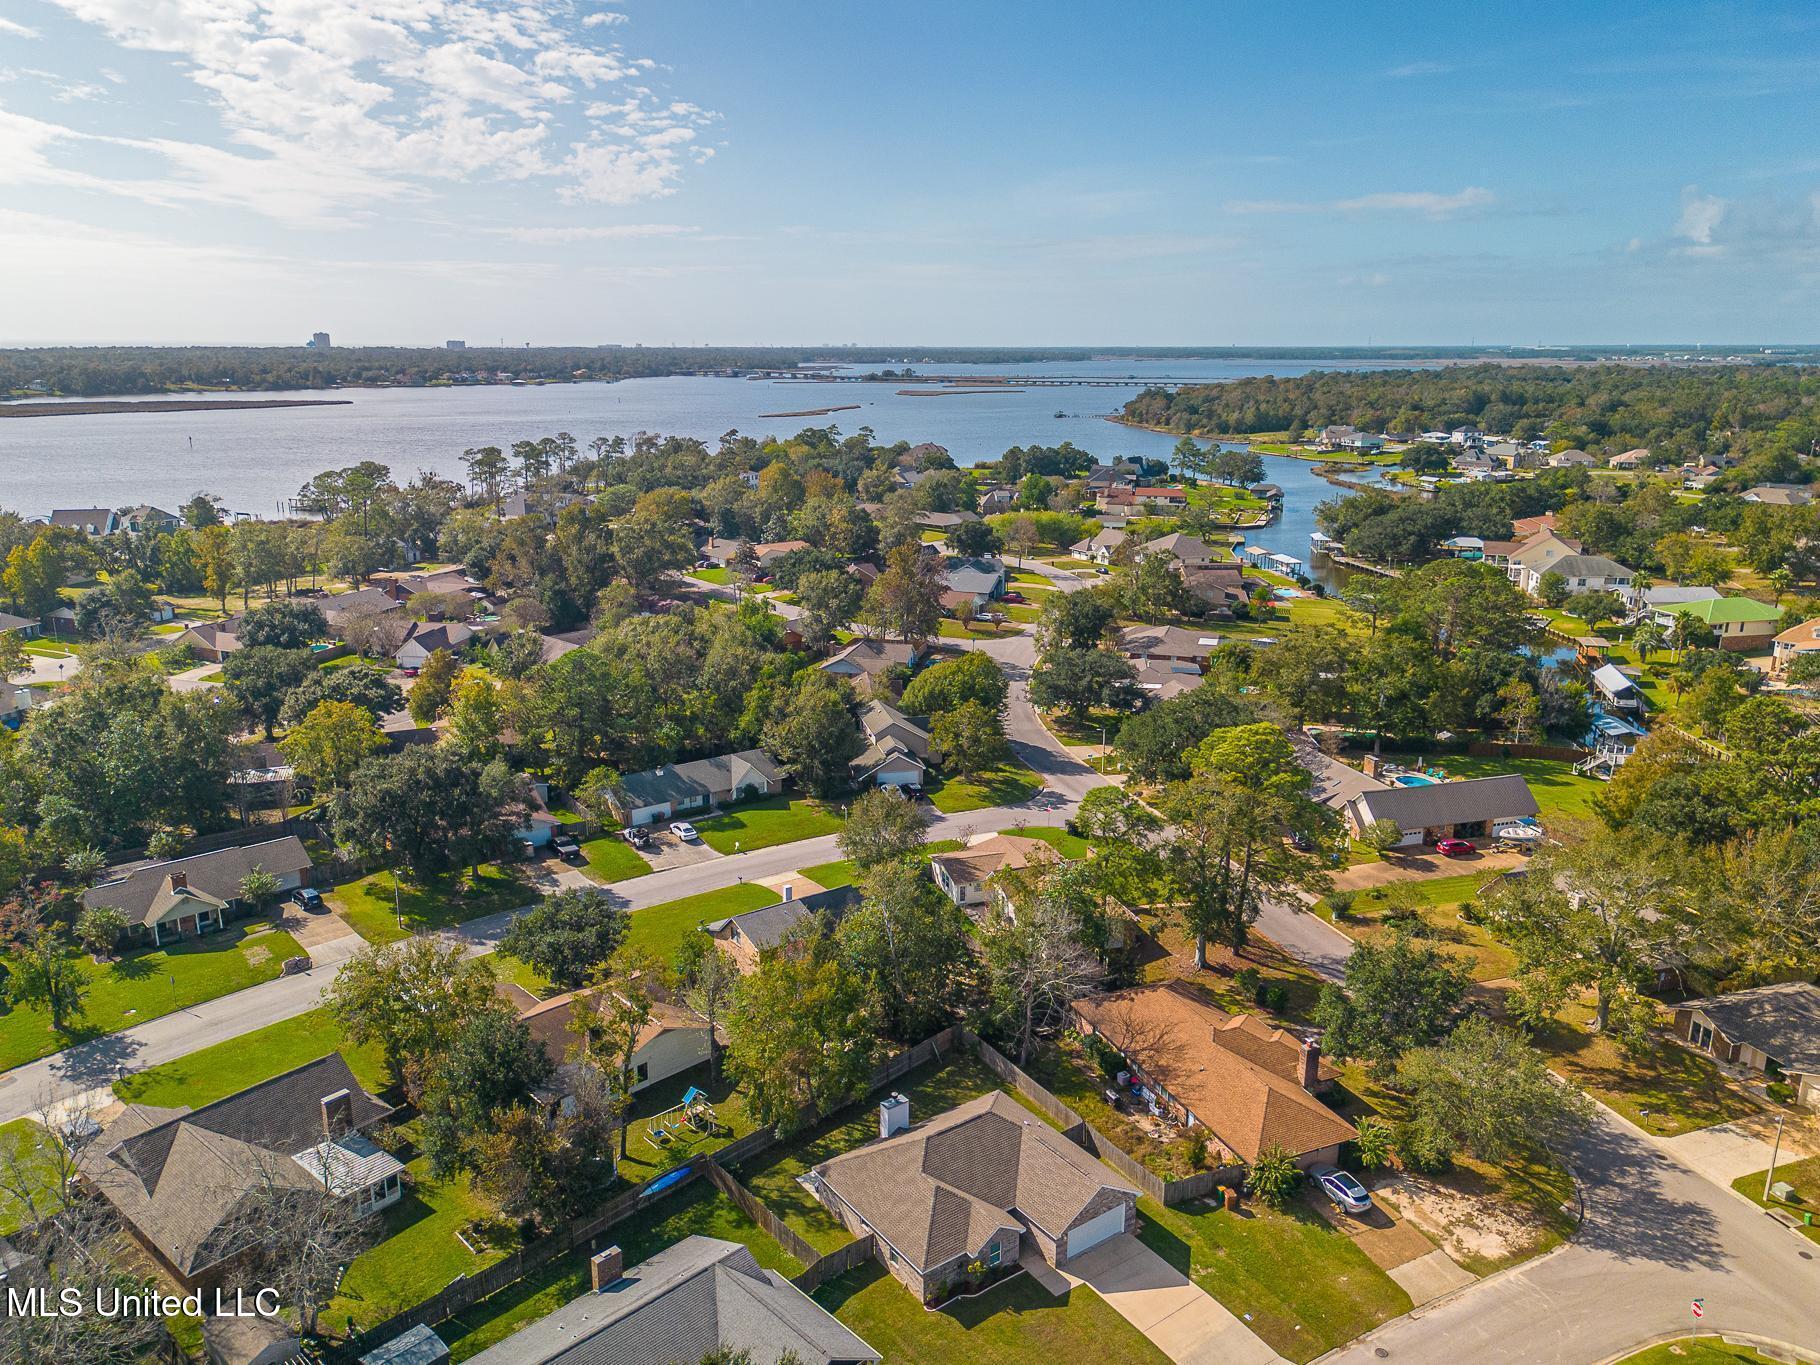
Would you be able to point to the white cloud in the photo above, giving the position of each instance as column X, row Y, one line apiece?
column 16, row 30
column 601, row 17
column 617, row 232
column 1701, row 215
column 1420, row 203
column 1409, row 69
column 329, row 106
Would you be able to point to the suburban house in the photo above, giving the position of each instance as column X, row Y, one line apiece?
column 210, row 641
column 179, row 1178
column 1119, row 474
column 1569, row 459
column 27, row 628
column 1779, row 494
column 1673, row 595
column 1189, row 551
column 1136, row 501
column 696, row 1298
column 1741, row 623
column 344, row 607
column 981, row 1183
column 546, row 505
column 198, row 894
column 1165, row 682
column 1468, row 809
column 868, row 663
column 1220, row 588
column 1347, row 438
column 440, row 582
column 1772, row 1030
column 659, row 793
column 90, row 521
column 1466, row 436
column 747, row 937
column 673, row 1040
column 1792, row 643
column 944, row 521
column 722, row 551
column 1167, row 644
column 1546, row 553
column 897, row 748
column 424, row 639
column 1100, row 546
column 145, row 518
column 965, row 875
column 1336, row 784
column 1250, row 1085
column 981, row 579
column 1629, row 459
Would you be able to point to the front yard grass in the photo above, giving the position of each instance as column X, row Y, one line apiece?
column 763, row 823
column 772, row 1175
column 1013, row 1323
column 1804, row 1175
column 1437, row 906
column 719, row 575
column 28, row 1162
column 611, row 859
column 366, row 903
column 145, row 985
column 1008, row 786
column 841, row 872
column 224, row 1068
column 1666, row 1090
column 1300, row 1283
column 660, row 929
column 698, row 1209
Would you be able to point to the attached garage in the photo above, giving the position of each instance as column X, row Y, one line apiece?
column 1096, row 1230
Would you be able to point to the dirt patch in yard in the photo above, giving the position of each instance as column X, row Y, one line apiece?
column 1383, row 1234
column 1471, row 1226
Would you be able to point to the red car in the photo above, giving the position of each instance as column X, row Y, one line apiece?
column 1455, row 848
column 1014, row 597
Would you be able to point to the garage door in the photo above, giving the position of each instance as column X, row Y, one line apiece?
column 1096, row 1230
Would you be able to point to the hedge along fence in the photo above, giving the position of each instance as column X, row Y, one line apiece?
column 1084, row 1135
column 467, row 1290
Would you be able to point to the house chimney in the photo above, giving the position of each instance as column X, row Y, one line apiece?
column 606, row 1269
column 337, row 1113
column 1311, row 1063
column 788, row 890
column 893, row 1115
column 180, row 881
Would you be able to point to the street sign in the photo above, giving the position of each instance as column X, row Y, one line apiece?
column 1699, row 1308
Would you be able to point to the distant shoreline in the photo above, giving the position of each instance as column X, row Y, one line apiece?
column 812, row 412
column 108, row 408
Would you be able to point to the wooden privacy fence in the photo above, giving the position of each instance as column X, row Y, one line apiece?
column 467, row 1290
column 1083, row 1134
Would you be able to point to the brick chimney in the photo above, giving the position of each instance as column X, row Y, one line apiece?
column 606, row 1269
column 180, row 881
column 337, row 1113
column 1311, row 1063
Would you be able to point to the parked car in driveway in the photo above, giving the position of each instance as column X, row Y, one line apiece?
column 639, row 837
column 1340, row 1187
column 308, row 898
column 1013, row 596
column 1455, row 848
column 566, row 847
column 685, row 831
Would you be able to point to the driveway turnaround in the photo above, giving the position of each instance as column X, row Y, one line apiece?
column 1181, row 1319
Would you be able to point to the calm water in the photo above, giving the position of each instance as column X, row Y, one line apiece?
column 255, row 459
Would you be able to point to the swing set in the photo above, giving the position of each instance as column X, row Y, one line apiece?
column 695, row 1113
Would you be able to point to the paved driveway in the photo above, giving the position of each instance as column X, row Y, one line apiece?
column 1181, row 1319
column 1726, row 1151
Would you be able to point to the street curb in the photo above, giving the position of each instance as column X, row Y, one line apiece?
column 1750, row 1339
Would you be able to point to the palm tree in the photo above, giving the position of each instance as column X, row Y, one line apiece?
column 1647, row 637
column 1780, row 581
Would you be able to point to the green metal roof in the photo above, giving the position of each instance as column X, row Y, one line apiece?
column 1718, row 611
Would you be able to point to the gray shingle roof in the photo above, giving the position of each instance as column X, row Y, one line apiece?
column 214, row 874
column 690, row 1299
column 1782, row 1020
column 1503, row 797
column 770, row 925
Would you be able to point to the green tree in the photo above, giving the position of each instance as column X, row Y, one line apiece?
column 1079, row 680
column 100, row 929
column 1381, row 836
column 412, row 999
column 428, row 807
column 490, row 1063
column 708, row 984
column 357, row 684
column 813, row 734
column 259, row 890
column 283, row 625
column 329, row 744
column 970, row 739
column 1076, row 620
column 1399, row 994
column 1037, row 963
column 829, row 600
column 429, row 695
column 1595, row 607
column 974, row 676
column 910, row 944
column 1274, row 1176
column 260, row 677
column 567, row 935
column 882, row 826
column 1124, row 833
column 1487, row 1093
column 43, row 973
column 800, row 1037
column 906, row 599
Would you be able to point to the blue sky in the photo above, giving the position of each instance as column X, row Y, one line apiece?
column 403, row 171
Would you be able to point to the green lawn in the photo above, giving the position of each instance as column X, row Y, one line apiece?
column 417, row 1252
column 226, row 1067
column 1016, row 1322
column 720, row 575
column 1439, row 922
column 762, row 823
column 27, row 1159
column 520, row 973
column 367, row 903
column 660, row 929
column 1064, row 843
column 772, row 1175
column 1804, row 1175
column 1559, row 790
column 842, row 872
column 698, row 1209
column 1007, row 786
column 645, row 1157
column 950, row 629
column 148, row 984
column 1298, row 1282
column 612, row 859
column 1697, row 1351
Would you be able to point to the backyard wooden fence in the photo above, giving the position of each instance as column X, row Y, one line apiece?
column 1083, row 1134
column 586, row 1233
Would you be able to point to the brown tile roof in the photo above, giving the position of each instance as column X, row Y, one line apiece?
column 548, row 1021
column 942, row 1189
column 979, row 861
column 1227, row 1074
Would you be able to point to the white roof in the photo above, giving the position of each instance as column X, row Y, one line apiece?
column 351, row 1162
column 1611, row 679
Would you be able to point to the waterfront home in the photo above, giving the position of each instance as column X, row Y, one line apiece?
column 1464, row 547
column 1348, row 438
column 980, row 1184
column 1466, row 436
column 700, row 1298
column 1218, row 588
column 1741, row 623
column 1615, row 688
column 145, row 518
column 198, row 894
column 1794, row 642
column 1189, row 551
column 179, row 1178
column 1120, row 473
column 1250, row 1085
column 1431, row 811
column 1140, row 501
column 660, row 793
column 90, row 521
column 1545, row 552
column 1673, row 595
column 746, row 938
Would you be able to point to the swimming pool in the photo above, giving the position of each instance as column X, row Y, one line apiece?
column 1412, row 780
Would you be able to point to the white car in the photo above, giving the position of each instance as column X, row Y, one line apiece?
column 1343, row 1189
column 685, row 831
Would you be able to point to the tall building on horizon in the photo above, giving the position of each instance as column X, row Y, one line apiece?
column 455, row 345
column 319, row 341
